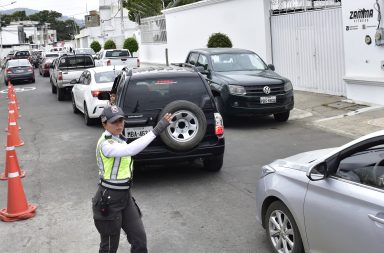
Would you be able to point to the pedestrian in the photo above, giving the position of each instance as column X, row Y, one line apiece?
column 113, row 205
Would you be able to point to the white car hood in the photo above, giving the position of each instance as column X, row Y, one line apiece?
column 302, row 161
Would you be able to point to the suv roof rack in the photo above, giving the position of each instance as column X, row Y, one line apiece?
column 188, row 65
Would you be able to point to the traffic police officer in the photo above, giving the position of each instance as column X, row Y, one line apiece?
column 113, row 205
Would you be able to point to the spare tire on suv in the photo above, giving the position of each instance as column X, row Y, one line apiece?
column 187, row 127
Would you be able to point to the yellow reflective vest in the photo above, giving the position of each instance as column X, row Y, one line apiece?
column 114, row 172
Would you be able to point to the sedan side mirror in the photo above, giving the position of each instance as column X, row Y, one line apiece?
column 271, row 67
column 318, row 172
column 73, row 81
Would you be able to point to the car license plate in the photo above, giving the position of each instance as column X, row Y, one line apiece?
column 268, row 100
column 19, row 70
column 137, row 132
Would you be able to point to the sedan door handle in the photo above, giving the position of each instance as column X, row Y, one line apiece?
column 374, row 218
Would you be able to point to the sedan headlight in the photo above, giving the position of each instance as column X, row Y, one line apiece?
column 236, row 90
column 265, row 170
column 288, row 86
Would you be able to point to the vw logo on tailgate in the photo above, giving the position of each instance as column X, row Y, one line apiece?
column 267, row 90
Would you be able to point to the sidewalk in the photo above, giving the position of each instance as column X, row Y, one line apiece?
column 337, row 114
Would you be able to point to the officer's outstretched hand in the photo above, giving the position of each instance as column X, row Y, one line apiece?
column 162, row 124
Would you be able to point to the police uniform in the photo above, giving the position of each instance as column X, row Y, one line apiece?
column 113, row 205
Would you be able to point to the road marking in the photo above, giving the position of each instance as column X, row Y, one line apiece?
column 19, row 89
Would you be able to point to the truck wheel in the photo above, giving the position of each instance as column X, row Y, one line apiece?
column 60, row 94
column 187, row 128
column 281, row 117
column 213, row 163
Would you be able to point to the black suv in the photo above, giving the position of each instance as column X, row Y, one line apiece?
column 242, row 83
column 196, row 130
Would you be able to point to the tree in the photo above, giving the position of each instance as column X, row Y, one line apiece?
column 219, row 40
column 95, row 45
column 139, row 9
column 131, row 44
column 109, row 44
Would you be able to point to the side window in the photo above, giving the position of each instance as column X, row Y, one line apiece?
column 365, row 167
column 202, row 61
column 120, row 88
column 192, row 59
column 87, row 79
column 82, row 77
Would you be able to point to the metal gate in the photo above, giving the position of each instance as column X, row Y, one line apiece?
column 308, row 49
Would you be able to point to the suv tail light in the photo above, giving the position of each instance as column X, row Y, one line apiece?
column 138, row 62
column 95, row 93
column 109, row 62
column 60, row 76
column 219, row 125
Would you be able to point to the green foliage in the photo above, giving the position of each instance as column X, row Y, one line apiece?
column 65, row 30
column 131, row 44
column 109, row 44
column 219, row 40
column 139, row 9
column 95, row 45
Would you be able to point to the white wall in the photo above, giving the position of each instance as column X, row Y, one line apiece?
column 363, row 73
column 246, row 22
column 152, row 53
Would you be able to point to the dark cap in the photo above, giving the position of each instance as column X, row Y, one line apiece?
column 111, row 114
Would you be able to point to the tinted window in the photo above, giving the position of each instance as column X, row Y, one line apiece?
column 237, row 62
column 51, row 55
column 106, row 77
column 365, row 167
column 76, row 62
column 202, row 61
column 154, row 94
column 22, row 53
column 192, row 58
column 116, row 53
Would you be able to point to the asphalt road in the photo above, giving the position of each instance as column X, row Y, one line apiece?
column 185, row 208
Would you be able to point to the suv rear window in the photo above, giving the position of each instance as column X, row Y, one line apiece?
column 116, row 53
column 155, row 94
column 22, row 53
column 76, row 62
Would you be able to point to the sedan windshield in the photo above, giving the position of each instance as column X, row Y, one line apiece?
column 236, row 62
column 106, row 77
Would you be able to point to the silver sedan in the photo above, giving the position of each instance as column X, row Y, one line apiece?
column 325, row 201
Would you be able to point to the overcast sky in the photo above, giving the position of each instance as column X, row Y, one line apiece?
column 66, row 7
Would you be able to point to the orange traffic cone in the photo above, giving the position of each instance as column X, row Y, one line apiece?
column 10, row 151
column 17, row 206
column 13, row 139
column 11, row 90
column 12, row 106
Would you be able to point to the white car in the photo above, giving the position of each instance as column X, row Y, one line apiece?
column 88, row 87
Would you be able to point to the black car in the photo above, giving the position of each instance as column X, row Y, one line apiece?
column 196, row 130
column 18, row 70
column 242, row 83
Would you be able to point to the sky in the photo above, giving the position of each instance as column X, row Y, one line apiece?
column 70, row 8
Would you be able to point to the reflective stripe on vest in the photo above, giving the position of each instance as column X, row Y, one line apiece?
column 113, row 169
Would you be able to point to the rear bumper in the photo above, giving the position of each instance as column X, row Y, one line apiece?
column 20, row 77
column 243, row 105
column 163, row 154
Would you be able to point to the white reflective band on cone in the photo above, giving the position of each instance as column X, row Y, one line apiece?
column 10, row 148
column 12, row 123
column 11, row 111
column 13, row 174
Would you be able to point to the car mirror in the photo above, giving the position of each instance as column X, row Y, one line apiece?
column 271, row 67
column 73, row 81
column 104, row 96
column 318, row 172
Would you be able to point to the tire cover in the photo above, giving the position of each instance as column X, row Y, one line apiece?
column 187, row 128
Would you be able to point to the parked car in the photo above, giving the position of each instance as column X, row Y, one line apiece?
column 116, row 57
column 329, row 200
column 242, row 83
column 84, row 51
column 18, row 70
column 67, row 68
column 196, row 130
column 23, row 54
column 86, row 90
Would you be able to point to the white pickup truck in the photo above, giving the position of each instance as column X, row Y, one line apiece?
column 110, row 57
column 67, row 68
